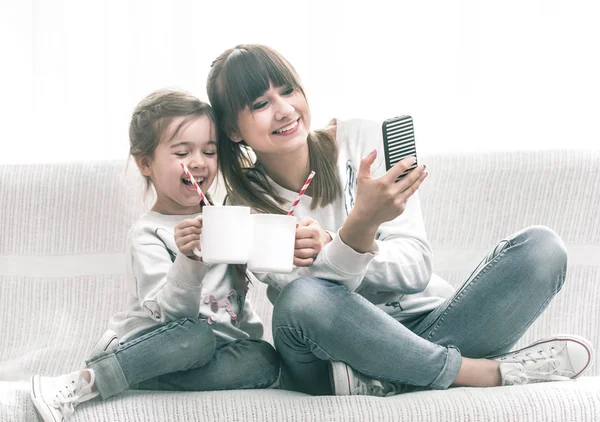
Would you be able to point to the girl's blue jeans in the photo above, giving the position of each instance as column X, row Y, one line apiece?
column 184, row 355
column 316, row 321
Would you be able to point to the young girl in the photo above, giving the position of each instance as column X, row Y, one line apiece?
column 188, row 325
column 367, row 306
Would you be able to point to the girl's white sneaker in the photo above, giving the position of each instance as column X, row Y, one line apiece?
column 55, row 398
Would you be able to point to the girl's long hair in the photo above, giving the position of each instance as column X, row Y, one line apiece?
column 237, row 78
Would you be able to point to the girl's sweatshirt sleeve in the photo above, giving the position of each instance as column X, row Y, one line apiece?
column 167, row 290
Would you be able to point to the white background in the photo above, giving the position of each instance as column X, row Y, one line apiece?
column 475, row 76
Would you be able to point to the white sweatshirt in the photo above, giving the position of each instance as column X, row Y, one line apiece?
column 164, row 285
column 397, row 277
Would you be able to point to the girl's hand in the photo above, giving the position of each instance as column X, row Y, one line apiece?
column 187, row 237
column 310, row 240
column 379, row 200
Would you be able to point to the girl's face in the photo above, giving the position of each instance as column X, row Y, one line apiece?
column 276, row 122
column 195, row 146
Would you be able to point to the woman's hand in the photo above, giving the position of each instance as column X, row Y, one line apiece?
column 383, row 199
column 379, row 200
column 187, row 237
column 310, row 240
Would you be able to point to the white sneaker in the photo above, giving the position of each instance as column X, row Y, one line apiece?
column 55, row 398
column 345, row 381
column 557, row 358
column 108, row 341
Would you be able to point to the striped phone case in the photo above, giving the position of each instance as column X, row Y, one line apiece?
column 399, row 141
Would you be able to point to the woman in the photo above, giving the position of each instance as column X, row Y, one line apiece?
column 364, row 305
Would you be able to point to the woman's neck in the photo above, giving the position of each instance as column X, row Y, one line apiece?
column 288, row 170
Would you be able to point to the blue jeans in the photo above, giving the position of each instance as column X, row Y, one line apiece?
column 184, row 355
column 317, row 321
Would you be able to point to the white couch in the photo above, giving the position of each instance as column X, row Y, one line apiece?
column 61, row 277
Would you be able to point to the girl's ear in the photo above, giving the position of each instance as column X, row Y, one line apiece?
column 144, row 163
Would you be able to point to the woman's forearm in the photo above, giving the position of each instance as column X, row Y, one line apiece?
column 358, row 234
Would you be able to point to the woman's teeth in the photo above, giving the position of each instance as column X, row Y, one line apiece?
column 289, row 127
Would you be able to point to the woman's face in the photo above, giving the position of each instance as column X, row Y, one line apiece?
column 276, row 122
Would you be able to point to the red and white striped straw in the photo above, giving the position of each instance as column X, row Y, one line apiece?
column 310, row 177
column 189, row 176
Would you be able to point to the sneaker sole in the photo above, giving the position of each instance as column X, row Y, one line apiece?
column 562, row 337
column 40, row 406
column 338, row 372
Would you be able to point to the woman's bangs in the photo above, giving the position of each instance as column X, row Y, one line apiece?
column 248, row 76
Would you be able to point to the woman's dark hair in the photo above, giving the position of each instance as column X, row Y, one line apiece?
column 237, row 77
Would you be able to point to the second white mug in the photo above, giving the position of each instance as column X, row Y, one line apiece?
column 272, row 249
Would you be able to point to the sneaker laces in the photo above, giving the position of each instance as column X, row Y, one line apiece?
column 535, row 367
column 70, row 396
column 540, row 355
column 65, row 401
column 373, row 387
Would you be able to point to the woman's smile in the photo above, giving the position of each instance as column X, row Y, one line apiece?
column 288, row 129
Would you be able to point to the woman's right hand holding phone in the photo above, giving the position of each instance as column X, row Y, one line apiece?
column 379, row 200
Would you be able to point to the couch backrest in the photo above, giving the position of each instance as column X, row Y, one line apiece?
column 68, row 209
column 470, row 201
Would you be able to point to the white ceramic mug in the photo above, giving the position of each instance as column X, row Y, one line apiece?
column 226, row 235
column 273, row 241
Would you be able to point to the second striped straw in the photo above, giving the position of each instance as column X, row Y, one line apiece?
column 189, row 176
column 310, row 177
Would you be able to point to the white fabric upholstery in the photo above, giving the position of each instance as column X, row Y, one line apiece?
column 61, row 276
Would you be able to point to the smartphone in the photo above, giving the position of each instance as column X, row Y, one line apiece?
column 399, row 141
